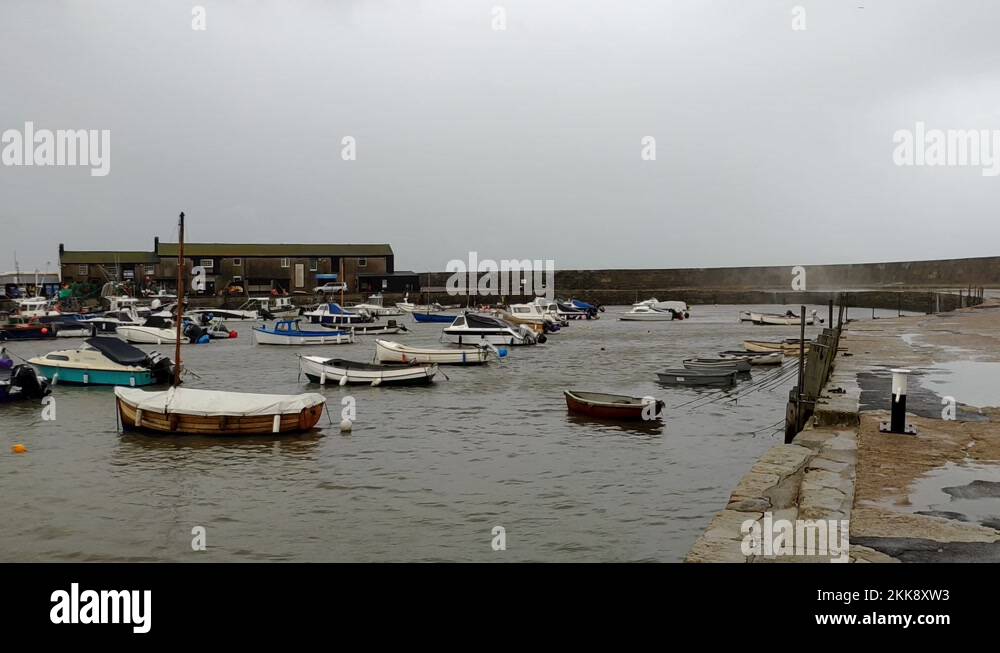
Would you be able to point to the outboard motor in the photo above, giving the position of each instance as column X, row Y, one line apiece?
column 26, row 381
column 161, row 367
column 193, row 332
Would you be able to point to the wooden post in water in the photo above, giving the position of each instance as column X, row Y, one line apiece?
column 829, row 322
column 802, row 364
column 180, row 300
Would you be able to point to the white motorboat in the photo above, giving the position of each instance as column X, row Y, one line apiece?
column 408, row 307
column 228, row 316
column 104, row 361
column 648, row 314
column 387, row 351
column 157, row 330
column 342, row 372
column 551, row 308
column 37, row 307
column 475, row 329
column 676, row 306
column 333, row 313
column 374, row 306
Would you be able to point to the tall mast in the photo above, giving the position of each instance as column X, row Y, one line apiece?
column 180, row 301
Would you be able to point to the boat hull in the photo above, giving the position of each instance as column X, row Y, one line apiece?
column 148, row 335
column 696, row 377
column 176, row 424
column 633, row 410
column 786, row 348
column 755, row 358
column 733, row 364
column 387, row 353
column 262, row 337
column 317, row 371
column 434, row 317
column 472, row 338
column 82, row 376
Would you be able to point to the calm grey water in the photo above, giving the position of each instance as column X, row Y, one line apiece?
column 426, row 473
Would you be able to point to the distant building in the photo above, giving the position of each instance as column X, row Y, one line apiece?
column 257, row 268
column 27, row 284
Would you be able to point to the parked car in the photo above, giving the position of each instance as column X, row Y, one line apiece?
column 332, row 287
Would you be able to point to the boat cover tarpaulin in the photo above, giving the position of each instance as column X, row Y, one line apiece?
column 484, row 322
column 118, row 350
column 207, row 403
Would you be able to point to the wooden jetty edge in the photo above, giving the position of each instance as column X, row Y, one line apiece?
column 839, row 466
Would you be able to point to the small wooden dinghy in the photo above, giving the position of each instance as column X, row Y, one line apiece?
column 755, row 357
column 339, row 371
column 617, row 407
column 697, row 377
column 734, row 364
column 789, row 347
column 387, row 351
column 211, row 412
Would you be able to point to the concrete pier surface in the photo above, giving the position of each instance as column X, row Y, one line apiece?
column 929, row 497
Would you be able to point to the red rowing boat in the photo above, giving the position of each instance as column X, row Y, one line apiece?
column 616, row 407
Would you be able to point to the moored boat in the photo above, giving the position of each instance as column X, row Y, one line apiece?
column 649, row 314
column 387, row 351
column 104, row 361
column 342, row 372
column 191, row 411
column 288, row 332
column 19, row 382
column 697, row 377
column 433, row 317
column 389, row 328
column 775, row 319
column 27, row 331
column 734, row 364
column 789, row 347
column 333, row 313
column 474, row 328
column 755, row 358
column 610, row 406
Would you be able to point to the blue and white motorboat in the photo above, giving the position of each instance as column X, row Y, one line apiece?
column 287, row 332
column 333, row 313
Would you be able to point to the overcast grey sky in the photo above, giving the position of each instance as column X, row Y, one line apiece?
column 773, row 146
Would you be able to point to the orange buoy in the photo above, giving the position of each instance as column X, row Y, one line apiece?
column 45, row 331
column 19, row 448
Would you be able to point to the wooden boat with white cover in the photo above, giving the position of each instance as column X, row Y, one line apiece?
column 210, row 412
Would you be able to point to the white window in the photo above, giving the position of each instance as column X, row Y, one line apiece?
column 207, row 263
column 362, row 262
column 82, row 270
column 285, row 263
column 128, row 274
column 313, row 264
column 112, row 271
column 150, row 270
column 237, row 262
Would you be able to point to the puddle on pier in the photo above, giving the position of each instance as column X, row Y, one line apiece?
column 967, row 492
column 974, row 383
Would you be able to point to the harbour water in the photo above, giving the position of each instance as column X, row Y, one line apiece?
column 426, row 473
